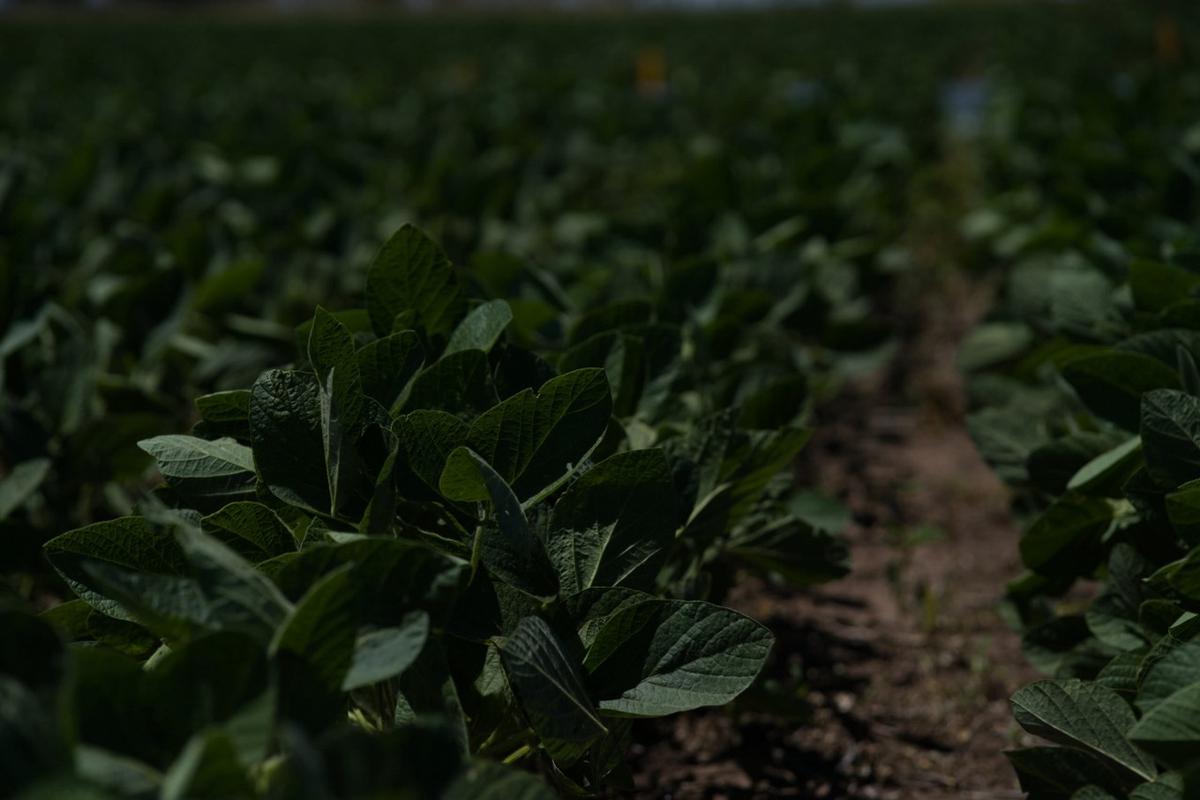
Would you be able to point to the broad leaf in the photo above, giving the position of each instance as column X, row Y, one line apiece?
column 412, row 274
column 1105, row 474
column 508, row 548
column 20, row 484
column 481, row 328
column 548, row 684
column 385, row 653
column 285, row 425
column 613, row 526
column 1083, row 715
column 129, row 543
column 1171, row 436
column 789, row 547
column 1065, row 538
column 229, row 406
column 427, row 439
column 252, row 529
column 219, row 592
column 198, row 468
column 460, row 383
column 1171, row 730
column 321, row 630
column 332, row 355
column 1166, row 672
column 666, row 656
column 237, row 596
column 535, row 440
column 1112, row 383
column 387, row 365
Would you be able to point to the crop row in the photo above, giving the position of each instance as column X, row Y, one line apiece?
column 1087, row 401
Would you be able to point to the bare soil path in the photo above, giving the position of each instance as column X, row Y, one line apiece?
column 907, row 661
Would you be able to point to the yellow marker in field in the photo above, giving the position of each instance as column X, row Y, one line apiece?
column 1168, row 45
column 651, row 77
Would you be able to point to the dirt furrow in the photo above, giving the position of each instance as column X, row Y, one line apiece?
column 907, row 663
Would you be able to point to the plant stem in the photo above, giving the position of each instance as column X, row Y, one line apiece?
column 518, row 754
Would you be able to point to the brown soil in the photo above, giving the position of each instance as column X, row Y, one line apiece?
column 907, row 662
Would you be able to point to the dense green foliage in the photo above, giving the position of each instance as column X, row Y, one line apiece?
column 1087, row 401
column 484, row 518
column 174, row 205
column 483, row 505
column 431, row 531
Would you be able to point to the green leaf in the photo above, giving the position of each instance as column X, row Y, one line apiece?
column 238, row 597
column 460, row 383
column 732, row 483
column 1104, row 475
column 592, row 608
column 285, row 427
column 332, row 355
column 1171, row 730
column 428, row 694
column 427, row 439
column 1065, row 538
column 229, row 406
column 321, row 630
column 1184, row 575
column 662, row 657
column 411, row 273
column 623, row 358
column 793, row 549
column 252, row 529
column 1079, row 714
column 199, row 468
column 387, row 366
column 819, row 510
column 480, row 329
column 385, row 653
column 614, row 525
column 777, row 405
column 548, row 684
column 1171, row 436
column 1057, row 772
column 393, row 576
column 992, row 343
column 21, row 483
column 131, row 543
column 224, row 414
column 1167, row 672
column 1162, row 789
column 535, row 440
column 1156, row 286
column 1052, row 465
column 1111, row 384
column 221, row 593
column 1121, row 674
column 508, row 549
